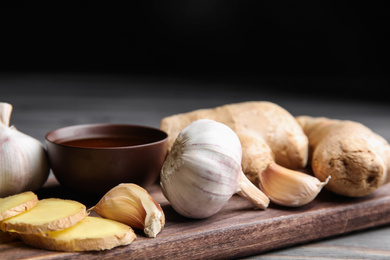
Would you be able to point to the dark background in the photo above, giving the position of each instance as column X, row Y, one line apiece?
column 299, row 46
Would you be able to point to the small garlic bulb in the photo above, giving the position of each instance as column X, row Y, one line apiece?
column 203, row 170
column 24, row 164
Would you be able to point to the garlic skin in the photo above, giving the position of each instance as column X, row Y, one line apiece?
column 289, row 188
column 203, row 170
column 132, row 205
column 24, row 164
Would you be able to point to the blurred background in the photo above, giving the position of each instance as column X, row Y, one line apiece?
column 212, row 52
column 237, row 40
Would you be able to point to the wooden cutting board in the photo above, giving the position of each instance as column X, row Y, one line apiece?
column 236, row 231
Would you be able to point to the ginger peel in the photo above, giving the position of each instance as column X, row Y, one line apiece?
column 90, row 234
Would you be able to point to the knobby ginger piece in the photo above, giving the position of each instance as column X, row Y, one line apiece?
column 47, row 215
column 267, row 133
column 256, row 156
column 14, row 205
column 357, row 159
column 92, row 233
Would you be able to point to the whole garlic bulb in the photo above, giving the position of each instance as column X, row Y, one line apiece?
column 203, row 170
column 24, row 164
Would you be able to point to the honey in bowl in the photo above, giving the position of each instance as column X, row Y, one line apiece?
column 106, row 142
column 94, row 158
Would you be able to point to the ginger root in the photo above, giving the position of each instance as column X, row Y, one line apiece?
column 267, row 133
column 357, row 159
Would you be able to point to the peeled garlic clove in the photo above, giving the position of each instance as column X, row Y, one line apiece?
column 24, row 164
column 132, row 205
column 290, row 188
column 203, row 170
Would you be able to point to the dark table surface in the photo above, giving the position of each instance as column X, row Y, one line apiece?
column 43, row 102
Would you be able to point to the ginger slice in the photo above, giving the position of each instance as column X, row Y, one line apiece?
column 47, row 215
column 16, row 204
column 91, row 234
column 5, row 237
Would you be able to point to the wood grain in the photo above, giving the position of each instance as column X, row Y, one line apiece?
column 236, row 231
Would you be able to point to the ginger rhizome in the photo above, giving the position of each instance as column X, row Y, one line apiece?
column 357, row 159
column 269, row 136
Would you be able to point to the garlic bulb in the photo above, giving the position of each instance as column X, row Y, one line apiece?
column 203, row 170
column 24, row 164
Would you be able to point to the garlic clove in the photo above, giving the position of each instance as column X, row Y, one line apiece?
column 289, row 188
column 132, row 205
column 249, row 191
column 155, row 218
column 121, row 204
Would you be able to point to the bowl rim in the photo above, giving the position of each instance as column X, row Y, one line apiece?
column 97, row 125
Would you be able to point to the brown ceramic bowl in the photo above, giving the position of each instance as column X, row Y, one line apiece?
column 96, row 157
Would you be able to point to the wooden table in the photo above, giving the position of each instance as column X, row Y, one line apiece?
column 357, row 229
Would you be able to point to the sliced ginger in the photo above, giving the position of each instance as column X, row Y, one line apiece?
column 5, row 237
column 16, row 204
column 92, row 233
column 58, row 224
column 47, row 215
